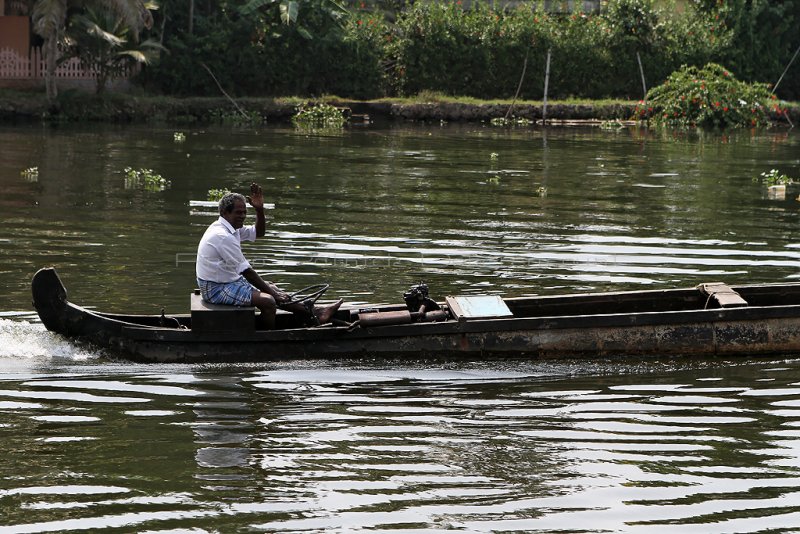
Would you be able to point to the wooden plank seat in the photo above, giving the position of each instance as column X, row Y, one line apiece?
column 722, row 294
column 207, row 317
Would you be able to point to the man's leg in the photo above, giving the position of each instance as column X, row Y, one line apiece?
column 266, row 304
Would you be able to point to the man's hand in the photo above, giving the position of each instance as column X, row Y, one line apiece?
column 280, row 296
column 256, row 198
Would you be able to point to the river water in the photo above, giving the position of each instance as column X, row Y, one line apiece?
column 682, row 445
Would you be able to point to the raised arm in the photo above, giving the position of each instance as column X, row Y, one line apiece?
column 256, row 199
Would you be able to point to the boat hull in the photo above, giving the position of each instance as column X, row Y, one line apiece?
column 661, row 323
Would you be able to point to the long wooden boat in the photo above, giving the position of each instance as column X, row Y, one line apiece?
column 711, row 319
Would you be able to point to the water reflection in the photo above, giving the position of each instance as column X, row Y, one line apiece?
column 498, row 447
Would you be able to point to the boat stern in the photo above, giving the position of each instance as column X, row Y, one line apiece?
column 50, row 299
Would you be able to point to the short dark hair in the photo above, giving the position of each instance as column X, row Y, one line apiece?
column 226, row 203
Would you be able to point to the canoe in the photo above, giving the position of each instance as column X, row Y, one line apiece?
column 710, row 319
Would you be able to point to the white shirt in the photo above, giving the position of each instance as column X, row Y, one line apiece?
column 219, row 255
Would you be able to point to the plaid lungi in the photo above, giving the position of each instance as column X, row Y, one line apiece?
column 236, row 293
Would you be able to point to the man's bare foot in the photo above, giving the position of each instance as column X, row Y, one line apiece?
column 324, row 315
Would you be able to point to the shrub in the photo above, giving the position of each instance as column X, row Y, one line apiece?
column 707, row 97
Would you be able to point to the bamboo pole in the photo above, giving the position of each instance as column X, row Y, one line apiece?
column 546, row 85
column 641, row 71
column 223, row 90
column 191, row 17
column 786, row 70
column 519, row 86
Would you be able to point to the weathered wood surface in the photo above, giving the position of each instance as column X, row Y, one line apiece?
column 636, row 323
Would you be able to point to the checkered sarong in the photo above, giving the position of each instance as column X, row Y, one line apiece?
column 236, row 293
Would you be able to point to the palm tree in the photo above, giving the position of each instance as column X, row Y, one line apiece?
column 50, row 20
column 103, row 43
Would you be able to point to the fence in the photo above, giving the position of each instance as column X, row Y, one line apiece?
column 20, row 72
column 16, row 67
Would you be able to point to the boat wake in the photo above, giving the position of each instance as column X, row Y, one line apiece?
column 26, row 340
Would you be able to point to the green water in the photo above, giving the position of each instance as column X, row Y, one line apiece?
column 373, row 210
column 91, row 443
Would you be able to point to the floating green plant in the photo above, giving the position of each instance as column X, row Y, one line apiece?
column 179, row 137
column 612, row 125
column 774, row 177
column 513, row 121
column 217, row 194
column 145, row 178
column 319, row 115
column 30, row 172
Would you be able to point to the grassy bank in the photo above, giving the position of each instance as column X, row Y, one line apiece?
column 77, row 106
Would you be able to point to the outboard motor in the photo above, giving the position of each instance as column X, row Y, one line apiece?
column 417, row 298
column 421, row 309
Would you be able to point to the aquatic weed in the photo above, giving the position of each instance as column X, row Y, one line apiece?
column 774, row 177
column 217, row 194
column 320, row 115
column 145, row 178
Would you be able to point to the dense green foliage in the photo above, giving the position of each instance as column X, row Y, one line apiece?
column 314, row 47
column 102, row 41
column 774, row 177
column 144, row 178
column 319, row 115
column 256, row 53
column 707, row 97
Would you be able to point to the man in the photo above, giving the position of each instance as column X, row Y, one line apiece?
column 226, row 277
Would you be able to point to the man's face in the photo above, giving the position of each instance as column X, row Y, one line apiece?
column 237, row 216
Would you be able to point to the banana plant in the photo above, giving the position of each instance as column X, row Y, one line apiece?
column 49, row 19
column 105, row 43
column 289, row 11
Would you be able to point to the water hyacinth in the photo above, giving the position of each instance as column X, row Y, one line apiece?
column 145, row 178
column 30, row 172
column 319, row 115
column 774, row 177
column 217, row 194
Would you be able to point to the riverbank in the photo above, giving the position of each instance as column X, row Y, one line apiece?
column 76, row 106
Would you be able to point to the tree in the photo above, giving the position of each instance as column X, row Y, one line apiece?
column 49, row 19
column 290, row 10
column 104, row 43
